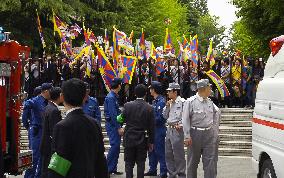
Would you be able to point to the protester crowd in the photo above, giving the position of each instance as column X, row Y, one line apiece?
column 241, row 76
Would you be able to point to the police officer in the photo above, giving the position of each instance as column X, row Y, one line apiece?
column 175, row 156
column 113, row 128
column 91, row 106
column 158, row 154
column 36, row 106
column 26, row 119
column 201, row 119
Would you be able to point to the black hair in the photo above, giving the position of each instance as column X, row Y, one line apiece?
column 114, row 86
column 177, row 90
column 55, row 93
column 87, row 85
column 140, row 90
column 74, row 91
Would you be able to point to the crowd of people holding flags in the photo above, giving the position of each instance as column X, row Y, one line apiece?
column 234, row 77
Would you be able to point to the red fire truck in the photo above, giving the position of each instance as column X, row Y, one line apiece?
column 12, row 57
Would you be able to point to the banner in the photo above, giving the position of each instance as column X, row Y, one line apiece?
column 220, row 84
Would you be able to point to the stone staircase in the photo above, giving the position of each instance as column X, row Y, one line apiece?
column 235, row 133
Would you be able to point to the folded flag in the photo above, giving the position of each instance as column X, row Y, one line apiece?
column 220, row 84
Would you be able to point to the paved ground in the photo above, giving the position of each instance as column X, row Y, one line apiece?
column 227, row 168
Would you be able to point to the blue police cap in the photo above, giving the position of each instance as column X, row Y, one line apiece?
column 37, row 91
column 115, row 82
column 156, row 85
column 46, row 86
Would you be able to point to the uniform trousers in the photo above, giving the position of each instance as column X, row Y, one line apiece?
column 175, row 156
column 35, row 138
column 203, row 143
column 158, row 154
column 135, row 154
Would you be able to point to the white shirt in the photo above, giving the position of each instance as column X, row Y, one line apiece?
column 55, row 105
column 73, row 109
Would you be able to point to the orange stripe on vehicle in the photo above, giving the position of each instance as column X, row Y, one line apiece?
column 268, row 123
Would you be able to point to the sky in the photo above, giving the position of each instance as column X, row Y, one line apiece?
column 224, row 10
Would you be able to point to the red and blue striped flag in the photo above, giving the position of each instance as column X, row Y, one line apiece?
column 129, row 64
column 106, row 70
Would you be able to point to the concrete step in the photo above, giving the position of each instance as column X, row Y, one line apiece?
column 232, row 137
column 236, row 123
column 236, row 110
column 235, row 144
column 235, row 130
column 234, row 152
column 234, row 117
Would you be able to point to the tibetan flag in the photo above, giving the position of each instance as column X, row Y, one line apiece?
column 40, row 31
column 194, row 49
column 154, row 53
column 160, row 66
column 84, row 51
column 106, row 40
column 184, row 42
column 142, row 45
column 181, row 51
column 105, row 68
column 59, row 26
column 117, row 36
column 89, row 64
column 89, row 36
column 75, row 30
column 66, row 45
column 220, row 84
column 168, row 46
column 129, row 64
column 131, row 36
column 210, row 57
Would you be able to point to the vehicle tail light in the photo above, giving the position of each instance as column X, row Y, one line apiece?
column 276, row 44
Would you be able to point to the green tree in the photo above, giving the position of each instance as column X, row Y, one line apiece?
column 261, row 19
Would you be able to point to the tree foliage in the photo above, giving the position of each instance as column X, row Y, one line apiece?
column 187, row 17
column 262, row 20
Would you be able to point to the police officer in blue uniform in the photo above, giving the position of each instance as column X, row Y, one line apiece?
column 158, row 154
column 26, row 118
column 36, row 107
column 113, row 128
column 91, row 106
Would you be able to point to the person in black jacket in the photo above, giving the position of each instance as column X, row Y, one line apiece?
column 77, row 142
column 52, row 115
column 139, row 118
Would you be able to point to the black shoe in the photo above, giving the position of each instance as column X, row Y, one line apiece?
column 116, row 173
column 150, row 174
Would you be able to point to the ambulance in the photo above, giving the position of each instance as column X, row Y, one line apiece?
column 268, row 117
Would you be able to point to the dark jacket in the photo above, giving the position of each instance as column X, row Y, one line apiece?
column 139, row 117
column 52, row 115
column 78, row 139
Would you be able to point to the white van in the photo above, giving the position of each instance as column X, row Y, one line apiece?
column 268, row 117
